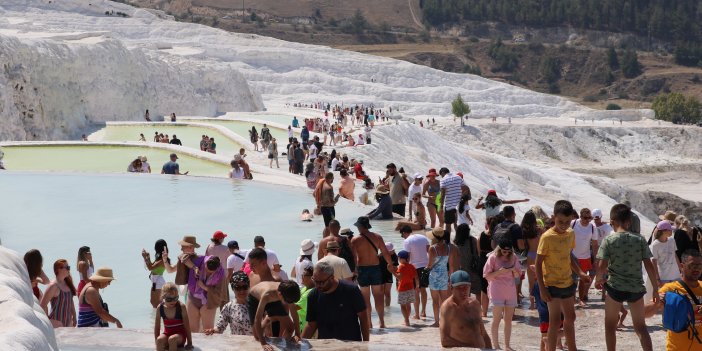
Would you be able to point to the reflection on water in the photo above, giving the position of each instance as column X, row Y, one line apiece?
column 118, row 215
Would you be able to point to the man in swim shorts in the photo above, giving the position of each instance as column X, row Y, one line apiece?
column 370, row 277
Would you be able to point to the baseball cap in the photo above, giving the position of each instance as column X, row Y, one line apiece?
column 363, row 221
column 403, row 254
column 174, row 155
column 664, row 225
column 232, row 244
column 459, row 278
column 492, row 192
column 259, row 239
column 597, row 213
column 460, row 174
column 418, row 176
column 219, row 235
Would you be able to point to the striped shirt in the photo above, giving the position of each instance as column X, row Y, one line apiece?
column 452, row 183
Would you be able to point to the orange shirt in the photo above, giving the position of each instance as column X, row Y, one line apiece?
column 407, row 274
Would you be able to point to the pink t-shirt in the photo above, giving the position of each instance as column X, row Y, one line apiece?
column 501, row 288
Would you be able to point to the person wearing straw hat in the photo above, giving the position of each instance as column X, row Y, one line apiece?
column 460, row 324
column 92, row 311
column 384, row 209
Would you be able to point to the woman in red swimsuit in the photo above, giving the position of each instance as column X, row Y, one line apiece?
column 176, row 327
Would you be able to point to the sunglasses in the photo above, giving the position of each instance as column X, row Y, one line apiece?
column 170, row 299
column 322, row 282
column 68, row 268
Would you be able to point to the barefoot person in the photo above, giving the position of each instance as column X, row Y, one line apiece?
column 621, row 255
column 501, row 270
column 335, row 309
column 443, row 260
column 407, row 284
column 92, row 311
column 235, row 313
column 420, row 215
column 176, row 327
column 418, row 247
column 276, row 301
column 156, row 268
column 85, row 266
column 460, row 322
column 60, row 293
column 554, row 268
column 370, row 277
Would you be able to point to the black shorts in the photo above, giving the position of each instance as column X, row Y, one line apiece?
column 450, row 216
column 328, row 214
column 561, row 293
column 399, row 209
column 621, row 296
column 423, row 275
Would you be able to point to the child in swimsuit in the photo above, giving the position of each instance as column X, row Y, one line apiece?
column 176, row 327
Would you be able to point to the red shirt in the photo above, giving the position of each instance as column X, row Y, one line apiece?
column 358, row 170
column 408, row 273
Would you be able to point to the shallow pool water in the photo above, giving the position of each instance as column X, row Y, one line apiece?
column 118, row 215
column 97, row 158
column 243, row 127
column 189, row 136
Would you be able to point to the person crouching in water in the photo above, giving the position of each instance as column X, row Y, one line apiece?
column 176, row 326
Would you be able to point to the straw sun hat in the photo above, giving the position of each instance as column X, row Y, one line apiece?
column 189, row 240
column 103, row 274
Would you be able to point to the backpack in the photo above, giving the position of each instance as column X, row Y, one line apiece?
column 678, row 314
column 503, row 232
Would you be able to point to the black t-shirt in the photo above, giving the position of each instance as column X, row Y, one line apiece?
column 336, row 313
column 683, row 242
column 176, row 141
column 515, row 233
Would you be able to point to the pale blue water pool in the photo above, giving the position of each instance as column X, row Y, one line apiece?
column 118, row 215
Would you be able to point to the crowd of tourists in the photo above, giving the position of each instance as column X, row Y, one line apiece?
column 559, row 255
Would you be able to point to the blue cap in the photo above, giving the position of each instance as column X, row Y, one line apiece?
column 403, row 254
column 459, row 278
column 232, row 244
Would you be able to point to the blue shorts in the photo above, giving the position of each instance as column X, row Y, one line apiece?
column 369, row 275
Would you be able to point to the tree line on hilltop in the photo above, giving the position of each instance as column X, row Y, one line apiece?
column 677, row 21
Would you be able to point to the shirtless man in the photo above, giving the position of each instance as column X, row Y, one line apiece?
column 260, row 270
column 345, row 249
column 276, row 301
column 365, row 248
column 460, row 324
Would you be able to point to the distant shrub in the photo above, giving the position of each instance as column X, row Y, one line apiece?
column 613, row 107
column 473, row 39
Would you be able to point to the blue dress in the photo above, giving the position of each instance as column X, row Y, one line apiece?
column 439, row 277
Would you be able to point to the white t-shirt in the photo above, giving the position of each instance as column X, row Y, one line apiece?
column 341, row 267
column 413, row 189
column 234, row 262
column 463, row 216
column 664, row 254
column 367, row 130
column 272, row 258
column 313, row 152
column 236, row 174
column 282, row 276
column 360, row 141
column 334, row 163
column 602, row 232
column 583, row 239
column 416, row 245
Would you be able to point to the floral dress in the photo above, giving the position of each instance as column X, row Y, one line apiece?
column 237, row 317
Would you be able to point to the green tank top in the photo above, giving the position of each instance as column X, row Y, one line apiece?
column 158, row 270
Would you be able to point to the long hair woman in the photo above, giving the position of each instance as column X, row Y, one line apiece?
column 34, row 262
column 469, row 257
column 60, row 294
column 501, row 269
column 531, row 233
column 253, row 136
column 157, row 268
column 85, row 266
column 443, row 261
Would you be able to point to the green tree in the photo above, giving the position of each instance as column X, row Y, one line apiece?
column 630, row 64
column 674, row 107
column 612, row 58
column 359, row 23
column 459, row 108
column 551, row 69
